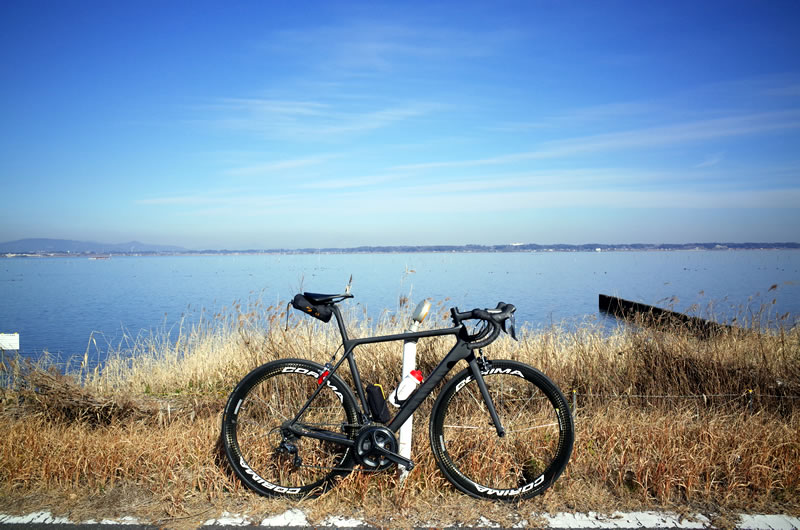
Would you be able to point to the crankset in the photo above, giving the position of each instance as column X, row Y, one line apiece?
column 376, row 449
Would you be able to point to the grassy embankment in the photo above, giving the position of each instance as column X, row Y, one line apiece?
column 664, row 421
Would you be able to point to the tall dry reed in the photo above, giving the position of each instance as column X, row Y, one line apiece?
column 664, row 419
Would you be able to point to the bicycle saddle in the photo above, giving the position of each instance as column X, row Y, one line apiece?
column 316, row 298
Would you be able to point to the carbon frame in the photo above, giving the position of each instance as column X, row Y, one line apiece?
column 459, row 352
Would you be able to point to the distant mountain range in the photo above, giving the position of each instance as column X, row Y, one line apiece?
column 70, row 247
column 67, row 246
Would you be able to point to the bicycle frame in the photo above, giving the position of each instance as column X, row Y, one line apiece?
column 459, row 352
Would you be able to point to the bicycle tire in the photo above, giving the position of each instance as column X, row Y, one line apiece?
column 251, row 429
column 537, row 443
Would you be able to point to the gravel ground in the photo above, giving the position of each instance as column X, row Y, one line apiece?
column 296, row 518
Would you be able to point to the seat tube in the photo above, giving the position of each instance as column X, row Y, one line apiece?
column 476, row 373
column 340, row 323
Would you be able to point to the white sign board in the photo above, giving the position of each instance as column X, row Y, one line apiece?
column 9, row 341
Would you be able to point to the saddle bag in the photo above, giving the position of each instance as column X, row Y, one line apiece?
column 323, row 312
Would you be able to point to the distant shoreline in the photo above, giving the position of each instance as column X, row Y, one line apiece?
column 421, row 249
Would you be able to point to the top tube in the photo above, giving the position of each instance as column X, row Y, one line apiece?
column 352, row 343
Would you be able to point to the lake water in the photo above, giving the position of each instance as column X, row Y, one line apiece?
column 56, row 304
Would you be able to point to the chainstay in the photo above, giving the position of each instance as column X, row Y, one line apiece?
column 345, row 425
column 350, row 469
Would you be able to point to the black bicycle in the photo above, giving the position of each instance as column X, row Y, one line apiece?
column 499, row 429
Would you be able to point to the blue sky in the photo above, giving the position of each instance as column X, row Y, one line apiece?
column 337, row 124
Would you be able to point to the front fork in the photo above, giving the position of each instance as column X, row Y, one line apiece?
column 477, row 365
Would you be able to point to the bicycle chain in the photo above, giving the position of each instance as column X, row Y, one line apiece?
column 351, row 469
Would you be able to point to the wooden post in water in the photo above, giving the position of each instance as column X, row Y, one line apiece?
column 656, row 316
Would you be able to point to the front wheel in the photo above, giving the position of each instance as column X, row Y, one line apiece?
column 539, row 432
column 267, row 458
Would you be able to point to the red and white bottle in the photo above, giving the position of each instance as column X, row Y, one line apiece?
column 405, row 388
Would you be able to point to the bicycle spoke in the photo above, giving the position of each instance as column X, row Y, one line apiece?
column 491, row 428
column 523, row 408
column 475, row 458
column 283, row 461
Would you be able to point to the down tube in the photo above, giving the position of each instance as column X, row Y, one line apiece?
column 458, row 353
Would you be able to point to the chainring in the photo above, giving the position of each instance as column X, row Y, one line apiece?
column 370, row 438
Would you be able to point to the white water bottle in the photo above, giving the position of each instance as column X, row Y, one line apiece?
column 405, row 388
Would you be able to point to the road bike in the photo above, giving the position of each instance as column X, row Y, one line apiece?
column 499, row 429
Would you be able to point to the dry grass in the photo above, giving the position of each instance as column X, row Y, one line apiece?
column 140, row 436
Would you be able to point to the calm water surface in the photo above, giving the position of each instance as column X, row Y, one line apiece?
column 56, row 304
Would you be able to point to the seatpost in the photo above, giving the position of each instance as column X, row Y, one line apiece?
column 340, row 323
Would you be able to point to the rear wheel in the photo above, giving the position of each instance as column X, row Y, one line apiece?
column 539, row 432
column 267, row 458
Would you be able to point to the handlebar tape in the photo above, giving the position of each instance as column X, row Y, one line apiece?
column 494, row 319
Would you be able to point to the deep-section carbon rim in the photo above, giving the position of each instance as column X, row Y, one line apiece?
column 262, row 457
column 538, row 440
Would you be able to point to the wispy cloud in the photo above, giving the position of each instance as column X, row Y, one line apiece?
column 577, row 117
column 273, row 107
column 688, row 132
column 377, row 195
column 279, row 166
column 370, row 46
column 771, row 85
column 379, row 205
column 355, row 182
column 239, row 198
column 312, row 120
column 376, row 119
column 413, row 199
column 175, row 200
column 791, row 90
column 710, row 161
